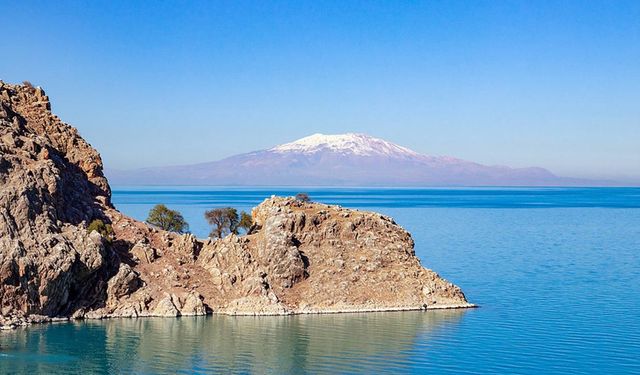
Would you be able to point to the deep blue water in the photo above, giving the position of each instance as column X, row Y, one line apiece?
column 556, row 272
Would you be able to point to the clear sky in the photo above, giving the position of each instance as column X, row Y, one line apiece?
column 520, row 83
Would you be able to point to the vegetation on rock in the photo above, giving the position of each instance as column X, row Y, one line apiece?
column 303, row 197
column 170, row 220
column 246, row 222
column 104, row 229
column 224, row 221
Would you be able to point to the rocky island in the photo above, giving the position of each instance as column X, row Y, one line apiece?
column 298, row 257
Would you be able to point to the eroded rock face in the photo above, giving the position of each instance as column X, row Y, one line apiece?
column 301, row 257
column 51, row 184
column 352, row 260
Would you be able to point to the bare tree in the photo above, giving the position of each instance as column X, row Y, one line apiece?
column 223, row 220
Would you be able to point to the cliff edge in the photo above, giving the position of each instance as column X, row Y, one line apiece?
column 299, row 257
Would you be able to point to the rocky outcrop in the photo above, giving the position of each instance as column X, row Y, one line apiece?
column 300, row 257
column 51, row 185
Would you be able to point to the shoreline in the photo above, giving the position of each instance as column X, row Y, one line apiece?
column 40, row 320
column 355, row 310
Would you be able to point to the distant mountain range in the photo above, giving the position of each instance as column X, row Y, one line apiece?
column 341, row 160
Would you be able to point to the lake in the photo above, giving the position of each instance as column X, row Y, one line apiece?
column 556, row 272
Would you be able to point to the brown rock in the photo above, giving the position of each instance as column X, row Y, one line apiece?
column 193, row 305
column 166, row 307
column 299, row 257
column 125, row 282
column 143, row 252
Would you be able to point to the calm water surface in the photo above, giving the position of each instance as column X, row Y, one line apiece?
column 556, row 271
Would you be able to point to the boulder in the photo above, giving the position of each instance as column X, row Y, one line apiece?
column 193, row 305
column 166, row 307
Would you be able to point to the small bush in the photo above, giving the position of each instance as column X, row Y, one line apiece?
column 303, row 197
column 28, row 84
column 104, row 229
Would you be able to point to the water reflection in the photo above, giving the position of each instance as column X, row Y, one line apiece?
column 372, row 342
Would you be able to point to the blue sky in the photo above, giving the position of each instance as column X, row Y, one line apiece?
column 520, row 83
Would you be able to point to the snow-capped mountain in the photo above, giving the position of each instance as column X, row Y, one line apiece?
column 340, row 160
column 350, row 143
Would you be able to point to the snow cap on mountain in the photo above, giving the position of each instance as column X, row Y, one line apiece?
column 350, row 143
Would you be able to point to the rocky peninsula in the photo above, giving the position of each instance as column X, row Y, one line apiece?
column 299, row 257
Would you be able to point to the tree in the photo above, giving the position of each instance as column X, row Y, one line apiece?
column 224, row 221
column 246, row 222
column 303, row 197
column 170, row 220
column 104, row 229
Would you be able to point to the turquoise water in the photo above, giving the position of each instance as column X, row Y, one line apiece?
column 556, row 271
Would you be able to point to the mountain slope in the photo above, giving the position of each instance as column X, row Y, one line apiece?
column 346, row 159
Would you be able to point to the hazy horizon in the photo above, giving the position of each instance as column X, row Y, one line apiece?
column 544, row 84
column 136, row 176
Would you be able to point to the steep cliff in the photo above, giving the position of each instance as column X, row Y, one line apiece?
column 51, row 184
column 299, row 258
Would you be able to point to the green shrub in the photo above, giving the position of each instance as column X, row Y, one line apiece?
column 223, row 220
column 166, row 219
column 246, row 222
column 104, row 229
